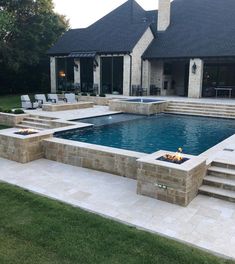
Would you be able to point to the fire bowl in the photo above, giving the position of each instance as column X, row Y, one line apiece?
column 168, row 158
column 26, row 132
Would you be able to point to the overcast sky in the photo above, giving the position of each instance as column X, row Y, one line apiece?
column 82, row 13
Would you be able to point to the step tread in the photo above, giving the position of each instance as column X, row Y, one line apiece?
column 221, row 180
column 37, row 119
column 184, row 108
column 197, row 114
column 34, row 123
column 218, row 191
column 226, row 162
column 221, row 170
column 202, row 104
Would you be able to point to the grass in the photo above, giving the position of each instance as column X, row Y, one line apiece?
column 39, row 230
column 10, row 101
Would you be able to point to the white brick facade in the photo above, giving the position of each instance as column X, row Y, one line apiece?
column 77, row 71
column 164, row 14
column 138, row 51
column 195, row 79
column 53, row 74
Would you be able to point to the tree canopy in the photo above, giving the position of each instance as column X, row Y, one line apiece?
column 28, row 28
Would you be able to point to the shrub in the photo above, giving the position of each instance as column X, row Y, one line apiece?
column 102, row 95
column 8, row 111
column 1, row 109
column 18, row 111
column 84, row 94
column 93, row 94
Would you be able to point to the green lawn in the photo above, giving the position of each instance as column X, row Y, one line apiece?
column 10, row 101
column 39, row 230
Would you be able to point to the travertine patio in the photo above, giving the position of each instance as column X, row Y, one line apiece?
column 207, row 222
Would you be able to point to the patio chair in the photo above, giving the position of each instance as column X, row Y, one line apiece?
column 41, row 99
column 53, row 98
column 70, row 98
column 27, row 104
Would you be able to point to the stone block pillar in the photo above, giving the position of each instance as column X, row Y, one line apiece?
column 146, row 75
column 53, row 74
column 97, row 73
column 195, row 78
column 126, row 75
column 77, row 71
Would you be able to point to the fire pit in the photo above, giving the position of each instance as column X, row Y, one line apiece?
column 176, row 158
column 26, row 132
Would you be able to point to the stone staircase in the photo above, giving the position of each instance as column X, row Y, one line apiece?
column 201, row 109
column 36, row 122
column 220, row 181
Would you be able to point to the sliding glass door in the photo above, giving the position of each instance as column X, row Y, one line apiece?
column 112, row 75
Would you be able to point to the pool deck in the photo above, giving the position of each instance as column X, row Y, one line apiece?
column 207, row 223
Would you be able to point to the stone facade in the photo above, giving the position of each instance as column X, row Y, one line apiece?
column 66, row 106
column 53, row 74
column 127, row 62
column 77, row 78
column 138, row 51
column 156, row 75
column 11, row 120
column 195, row 79
column 21, row 149
column 97, row 72
column 110, row 160
column 173, row 183
column 95, row 99
column 137, row 107
column 164, row 14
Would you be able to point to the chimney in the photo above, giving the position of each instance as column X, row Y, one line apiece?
column 164, row 14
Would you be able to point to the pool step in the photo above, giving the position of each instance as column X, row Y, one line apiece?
column 35, row 124
column 220, row 181
column 201, row 109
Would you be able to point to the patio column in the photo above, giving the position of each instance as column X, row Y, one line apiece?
column 53, row 74
column 97, row 73
column 195, row 78
column 146, row 75
column 126, row 75
column 77, row 71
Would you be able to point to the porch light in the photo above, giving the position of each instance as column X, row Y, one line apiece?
column 194, row 68
column 62, row 74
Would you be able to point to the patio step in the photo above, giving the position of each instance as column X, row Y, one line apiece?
column 35, row 124
column 38, row 120
column 217, row 193
column 200, row 109
column 220, row 181
column 221, row 172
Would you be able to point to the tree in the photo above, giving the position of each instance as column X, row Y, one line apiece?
column 28, row 28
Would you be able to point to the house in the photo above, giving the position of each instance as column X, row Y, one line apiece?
column 185, row 48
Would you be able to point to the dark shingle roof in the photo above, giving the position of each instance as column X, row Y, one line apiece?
column 117, row 32
column 199, row 28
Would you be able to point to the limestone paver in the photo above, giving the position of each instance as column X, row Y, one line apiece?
column 207, row 222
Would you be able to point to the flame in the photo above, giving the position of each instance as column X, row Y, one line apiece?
column 176, row 157
column 27, row 131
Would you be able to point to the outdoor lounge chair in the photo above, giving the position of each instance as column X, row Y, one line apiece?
column 27, row 104
column 53, row 98
column 41, row 99
column 70, row 98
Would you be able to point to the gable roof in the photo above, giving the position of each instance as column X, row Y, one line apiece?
column 199, row 28
column 117, row 32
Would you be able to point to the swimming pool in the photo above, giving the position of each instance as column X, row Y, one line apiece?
column 150, row 134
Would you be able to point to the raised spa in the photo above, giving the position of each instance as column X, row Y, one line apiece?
column 150, row 134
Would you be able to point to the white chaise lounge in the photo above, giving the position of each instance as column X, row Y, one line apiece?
column 27, row 104
column 53, row 98
column 70, row 98
column 41, row 99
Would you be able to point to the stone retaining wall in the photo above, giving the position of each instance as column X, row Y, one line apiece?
column 137, row 107
column 21, row 149
column 95, row 99
column 66, row 106
column 11, row 119
column 173, row 183
column 111, row 160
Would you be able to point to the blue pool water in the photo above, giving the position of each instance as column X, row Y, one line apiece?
column 149, row 134
column 143, row 101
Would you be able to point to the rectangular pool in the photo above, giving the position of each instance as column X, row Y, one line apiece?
column 150, row 134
